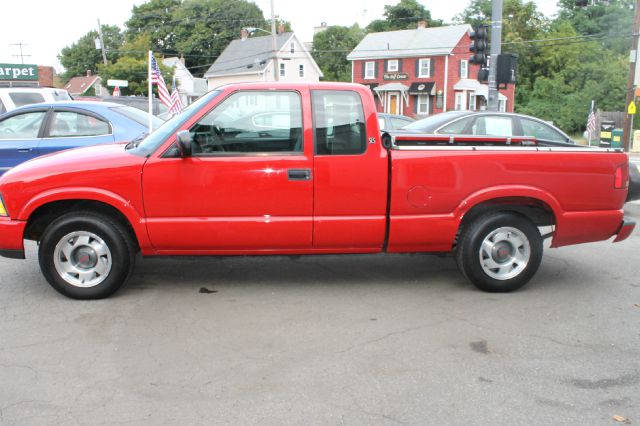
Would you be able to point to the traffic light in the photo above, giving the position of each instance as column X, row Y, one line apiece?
column 479, row 45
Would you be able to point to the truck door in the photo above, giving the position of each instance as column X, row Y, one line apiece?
column 350, row 173
column 247, row 186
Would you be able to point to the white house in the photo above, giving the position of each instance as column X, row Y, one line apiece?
column 189, row 87
column 251, row 59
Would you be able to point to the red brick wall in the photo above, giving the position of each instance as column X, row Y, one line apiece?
column 45, row 76
column 438, row 64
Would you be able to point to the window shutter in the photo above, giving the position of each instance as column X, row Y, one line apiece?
column 416, row 99
column 386, row 65
column 377, row 65
column 460, row 68
column 432, row 63
column 417, row 67
column 399, row 65
column 364, row 69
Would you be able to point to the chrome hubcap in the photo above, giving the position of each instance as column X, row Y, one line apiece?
column 505, row 253
column 82, row 259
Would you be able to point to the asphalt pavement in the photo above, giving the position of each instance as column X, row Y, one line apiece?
column 327, row 340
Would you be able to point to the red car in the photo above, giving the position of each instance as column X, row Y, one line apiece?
column 281, row 168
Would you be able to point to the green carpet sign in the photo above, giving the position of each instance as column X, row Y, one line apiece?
column 18, row 72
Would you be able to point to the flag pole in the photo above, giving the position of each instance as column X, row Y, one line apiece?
column 589, row 131
column 150, row 92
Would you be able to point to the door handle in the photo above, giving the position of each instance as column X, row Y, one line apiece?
column 299, row 174
column 25, row 149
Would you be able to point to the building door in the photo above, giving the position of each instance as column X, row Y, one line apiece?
column 393, row 103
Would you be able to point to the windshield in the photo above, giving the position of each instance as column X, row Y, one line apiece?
column 169, row 127
column 139, row 116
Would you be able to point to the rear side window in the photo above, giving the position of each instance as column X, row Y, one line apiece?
column 3, row 109
column 69, row 124
column 540, row 131
column 339, row 122
column 20, row 99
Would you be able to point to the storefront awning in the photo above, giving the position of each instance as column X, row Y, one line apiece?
column 476, row 87
column 392, row 87
column 422, row 89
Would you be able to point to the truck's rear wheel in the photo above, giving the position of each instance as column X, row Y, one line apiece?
column 500, row 251
column 86, row 256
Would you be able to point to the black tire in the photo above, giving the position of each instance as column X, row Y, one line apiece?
column 511, row 256
column 115, row 252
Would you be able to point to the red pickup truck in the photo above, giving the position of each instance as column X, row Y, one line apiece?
column 266, row 168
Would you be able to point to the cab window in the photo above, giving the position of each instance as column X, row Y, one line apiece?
column 339, row 122
column 251, row 122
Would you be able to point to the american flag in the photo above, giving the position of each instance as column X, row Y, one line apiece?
column 176, row 102
column 591, row 122
column 156, row 78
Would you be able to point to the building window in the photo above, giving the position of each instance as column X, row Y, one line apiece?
column 472, row 103
column 502, row 105
column 422, row 105
column 464, row 69
column 369, row 70
column 293, row 48
column 461, row 104
column 283, row 69
column 424, row 67
column 392, row 65
column 301, row 70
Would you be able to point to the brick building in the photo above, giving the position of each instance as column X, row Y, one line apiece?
column 422, row 72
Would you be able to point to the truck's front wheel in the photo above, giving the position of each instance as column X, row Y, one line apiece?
column 86, row 256
column 500, row 251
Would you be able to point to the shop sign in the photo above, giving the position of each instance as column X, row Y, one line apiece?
column 395, row 76
column 19, row 72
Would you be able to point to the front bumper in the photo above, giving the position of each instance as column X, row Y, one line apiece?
column 12, row 238
column 626, row 228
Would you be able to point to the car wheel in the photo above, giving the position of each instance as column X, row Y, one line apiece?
column 499, row 251
column 86, row 256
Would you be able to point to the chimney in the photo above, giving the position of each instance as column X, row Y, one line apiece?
column 88, row 73
column 422, row 24
column 281, row 29
column 244, row 34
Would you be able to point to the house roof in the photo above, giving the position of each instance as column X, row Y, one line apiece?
column 249, row 56
column 406, row 43
column 79, row 85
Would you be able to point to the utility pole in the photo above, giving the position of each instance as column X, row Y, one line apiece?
column 496, row 42
column 104, row 52
column 628, row 118
column 274, row 44
column 21, row 55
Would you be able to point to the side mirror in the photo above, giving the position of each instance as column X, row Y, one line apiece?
column 184, row 143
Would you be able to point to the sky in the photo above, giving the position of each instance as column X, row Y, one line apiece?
column 56, row 24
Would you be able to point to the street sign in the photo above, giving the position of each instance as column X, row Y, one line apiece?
column 117, row 83
column 116, row 91
column 631, row 109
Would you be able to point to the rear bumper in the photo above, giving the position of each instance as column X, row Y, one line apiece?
column 12, row 238
column 626, row 228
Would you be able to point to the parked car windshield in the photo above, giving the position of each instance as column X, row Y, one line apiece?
column 138, row 116
column 149, row 144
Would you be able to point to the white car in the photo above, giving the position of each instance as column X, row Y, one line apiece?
column 14, row 97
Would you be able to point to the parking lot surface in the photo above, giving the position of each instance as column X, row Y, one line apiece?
column 381, row 339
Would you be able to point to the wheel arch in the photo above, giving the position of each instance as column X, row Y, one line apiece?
column 39, row 212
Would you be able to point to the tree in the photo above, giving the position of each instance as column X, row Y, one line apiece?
column 404, row 15
column 135, row 71
column 206, row 27
column 330, row 49
column 608, row 18
column 82, row 55
column 155, row 18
